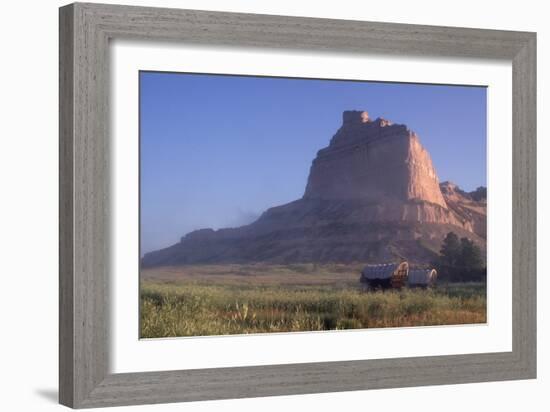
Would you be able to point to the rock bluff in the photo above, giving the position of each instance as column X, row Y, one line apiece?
column 372, row 195
column 374, row 160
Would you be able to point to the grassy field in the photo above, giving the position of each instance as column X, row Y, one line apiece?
column 237, row 299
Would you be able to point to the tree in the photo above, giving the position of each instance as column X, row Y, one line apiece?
column 450, row 251
column 479, row 194
column 460, row 260
column 470, row 255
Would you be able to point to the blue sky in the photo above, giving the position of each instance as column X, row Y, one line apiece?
column 216, row 151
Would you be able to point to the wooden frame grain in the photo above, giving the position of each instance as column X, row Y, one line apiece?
column 85, row 31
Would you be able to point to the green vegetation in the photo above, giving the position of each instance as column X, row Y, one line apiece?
column 479, row 194
column 182, row 306
column 460, row 260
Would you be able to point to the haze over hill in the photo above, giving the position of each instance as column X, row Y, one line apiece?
column 372, row 195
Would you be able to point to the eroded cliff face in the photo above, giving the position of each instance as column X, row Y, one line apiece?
column 468, row 207
column 384, row 165
column 374, row 160
column 372, row 195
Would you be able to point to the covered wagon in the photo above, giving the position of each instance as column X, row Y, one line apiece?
column 422, row 277
column 389, row 275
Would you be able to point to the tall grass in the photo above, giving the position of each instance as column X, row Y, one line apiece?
column 192, row 309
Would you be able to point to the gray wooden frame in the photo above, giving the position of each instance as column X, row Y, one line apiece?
column 85, row 31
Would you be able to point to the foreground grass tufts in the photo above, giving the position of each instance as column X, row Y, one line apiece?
column 193, row 309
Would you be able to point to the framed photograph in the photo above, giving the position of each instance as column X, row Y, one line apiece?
column 256, row 205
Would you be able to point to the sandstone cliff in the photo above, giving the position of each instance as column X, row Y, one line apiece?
column 469, row 207
column 376, row 160
column 372, row 195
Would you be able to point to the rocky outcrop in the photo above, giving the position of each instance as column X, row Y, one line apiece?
column 372, row 195
column 470, row 207
column 375, row 160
